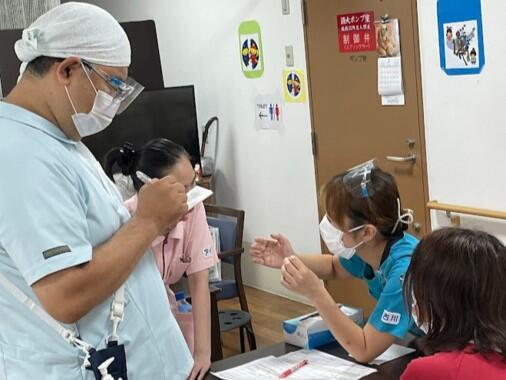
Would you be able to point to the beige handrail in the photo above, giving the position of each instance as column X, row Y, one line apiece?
column 435, row 205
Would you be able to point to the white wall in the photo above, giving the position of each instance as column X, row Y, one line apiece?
column 268, row 174
column 271, row 174
column 464, row 121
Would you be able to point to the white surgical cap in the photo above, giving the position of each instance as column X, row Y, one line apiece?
column 75, row 30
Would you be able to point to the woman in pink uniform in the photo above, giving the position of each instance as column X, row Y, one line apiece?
column 186, row 248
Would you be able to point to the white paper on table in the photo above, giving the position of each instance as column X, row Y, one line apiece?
column 196, row 195
column 395, row 351
column 321, row 366
column 264, row 368
column 390, row 76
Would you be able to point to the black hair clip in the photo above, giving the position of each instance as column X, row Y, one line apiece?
column 127, row 149
column 127, row 158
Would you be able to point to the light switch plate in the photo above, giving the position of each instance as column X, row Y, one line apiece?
column 285, row 6
column 290, row 61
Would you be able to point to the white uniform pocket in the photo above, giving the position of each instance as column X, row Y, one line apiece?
column 23, row 364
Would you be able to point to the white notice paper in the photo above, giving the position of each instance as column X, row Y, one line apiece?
column 393, row 100
column 390, row 81
column 268, row 112
column 321, row 366
column 389, row 76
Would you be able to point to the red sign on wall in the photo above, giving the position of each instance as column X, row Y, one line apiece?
column 356, row 32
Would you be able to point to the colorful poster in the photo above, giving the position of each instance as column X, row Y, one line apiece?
column 356, row 32
column 294, row 84
column 388, row 40
column 461, row 47
column 250, row 45
column 268, row 112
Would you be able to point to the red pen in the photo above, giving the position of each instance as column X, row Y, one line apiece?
column 289, row 371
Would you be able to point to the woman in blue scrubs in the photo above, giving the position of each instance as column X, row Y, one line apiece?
column 364, row 227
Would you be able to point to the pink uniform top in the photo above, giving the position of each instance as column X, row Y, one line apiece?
column 188, row 248
column 457, row 365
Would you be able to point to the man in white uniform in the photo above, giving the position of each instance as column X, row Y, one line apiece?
column 67, row 244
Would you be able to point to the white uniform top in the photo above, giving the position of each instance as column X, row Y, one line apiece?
column 54, row 208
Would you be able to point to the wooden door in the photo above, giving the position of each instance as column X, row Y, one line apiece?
column 351, row 126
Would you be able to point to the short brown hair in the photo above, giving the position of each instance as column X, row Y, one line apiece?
column 457, row 278
column 379, row 208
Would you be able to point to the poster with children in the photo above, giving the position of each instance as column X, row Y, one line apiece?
column 294, row 84
column 461, row 44
column 460, row 31
column 250, row 47
column 250, row 51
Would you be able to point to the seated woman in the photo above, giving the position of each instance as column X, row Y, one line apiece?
column 456, row 285
column 187, row 248
column 364, row 227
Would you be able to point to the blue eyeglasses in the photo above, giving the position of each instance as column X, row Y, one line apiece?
column 126, row 91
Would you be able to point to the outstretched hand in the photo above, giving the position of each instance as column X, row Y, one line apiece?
column 271, row 252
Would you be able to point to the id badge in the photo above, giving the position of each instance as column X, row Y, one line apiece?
column 117, row 369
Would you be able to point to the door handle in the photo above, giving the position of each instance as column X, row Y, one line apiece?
column 410, row 158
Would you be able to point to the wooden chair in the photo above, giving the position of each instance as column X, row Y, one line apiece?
column 230, row 223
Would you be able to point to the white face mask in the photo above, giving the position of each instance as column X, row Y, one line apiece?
column 333, row 238
column 424, row 326
column 100, row 117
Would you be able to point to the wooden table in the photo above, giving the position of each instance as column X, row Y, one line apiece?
column 388, row 371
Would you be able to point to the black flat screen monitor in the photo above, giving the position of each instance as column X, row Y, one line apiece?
column 168, row 112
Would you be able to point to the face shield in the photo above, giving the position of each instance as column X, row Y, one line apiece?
column 357, row 180
column 125, row 91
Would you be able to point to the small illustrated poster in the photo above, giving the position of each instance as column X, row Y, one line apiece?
column 461, row 46
column 356, row 32
column 250, row 45
column 268, row 112
column 294, row 84
column 388, row 40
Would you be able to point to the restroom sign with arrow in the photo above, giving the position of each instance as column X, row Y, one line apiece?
column 268, row 112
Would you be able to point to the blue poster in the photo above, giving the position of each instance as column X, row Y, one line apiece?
column 461, row 49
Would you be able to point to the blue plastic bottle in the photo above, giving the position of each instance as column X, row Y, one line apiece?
column 182, row 305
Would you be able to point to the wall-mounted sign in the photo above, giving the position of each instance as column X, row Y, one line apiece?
column 250, row 45
column 294, row 84
column 461, row 48
column 356, row 32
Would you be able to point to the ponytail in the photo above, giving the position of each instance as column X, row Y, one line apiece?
column 125, row 158
column 154, row 159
